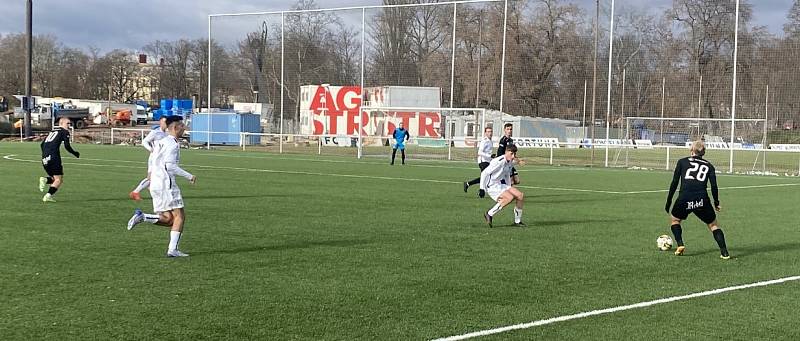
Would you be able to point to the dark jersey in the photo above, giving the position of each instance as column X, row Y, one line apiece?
column 51, row 146
column 694, row 174
column 505, row 141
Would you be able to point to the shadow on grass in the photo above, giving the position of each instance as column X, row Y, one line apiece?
column 552, row 223
column 296, row 245
column 737, row 252
column 192, row 197
column 563, row 199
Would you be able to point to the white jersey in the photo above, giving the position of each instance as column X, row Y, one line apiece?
column 166, row 166
column 149, row 143
column 497, row 174
column 150, row 140
column 485, row 150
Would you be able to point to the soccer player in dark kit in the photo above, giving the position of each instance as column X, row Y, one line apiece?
column 505, row 141
column 694, row 173
column 51, row 159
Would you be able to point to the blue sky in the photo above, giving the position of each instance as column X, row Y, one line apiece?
column 109, row 24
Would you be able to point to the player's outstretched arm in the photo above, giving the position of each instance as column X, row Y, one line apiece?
column 676, row 178
column 712, row 177
column 68, row 147
column 176, row 170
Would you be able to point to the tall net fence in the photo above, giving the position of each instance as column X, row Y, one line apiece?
column 587, row 65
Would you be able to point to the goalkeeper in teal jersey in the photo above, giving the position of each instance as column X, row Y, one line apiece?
column 400, row 135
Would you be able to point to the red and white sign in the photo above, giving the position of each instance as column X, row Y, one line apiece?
column 335, row 110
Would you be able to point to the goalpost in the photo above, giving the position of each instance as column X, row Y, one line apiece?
column 435, row 133
column 750, row 140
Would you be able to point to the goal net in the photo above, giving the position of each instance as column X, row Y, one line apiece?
column 654, row 142
column 435, row 133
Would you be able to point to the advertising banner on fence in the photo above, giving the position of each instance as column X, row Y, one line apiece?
column 333, row 110
column 725, row 145
column 643, row 144
column 536, row 142
column 785, row 147
column 338, row 141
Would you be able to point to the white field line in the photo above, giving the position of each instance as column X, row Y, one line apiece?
column 12, row 158
column 732, row 187
column 614, row 309
column 545, row 168
column 521, row 169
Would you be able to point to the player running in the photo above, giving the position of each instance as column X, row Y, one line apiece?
column 495, row 180
column 167, row 199
column 484, row 156
column 694, row 173
column 149, row 142
column 505, row 141
column 400, row 136
column 51, row 159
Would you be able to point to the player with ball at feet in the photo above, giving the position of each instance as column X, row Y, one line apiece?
column 694, row 173
column 496, row 181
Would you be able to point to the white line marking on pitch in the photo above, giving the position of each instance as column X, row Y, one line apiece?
column 614, row 309
column 270, row 157
column 11, row 157
column 732, row 187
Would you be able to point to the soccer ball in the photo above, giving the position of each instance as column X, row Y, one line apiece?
column 664, row 242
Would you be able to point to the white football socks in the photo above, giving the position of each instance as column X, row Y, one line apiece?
column 142, row 185
column 497, row 207
column 174, row 238
column 151, row 218
column 517, row 215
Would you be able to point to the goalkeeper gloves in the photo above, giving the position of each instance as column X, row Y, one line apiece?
column 481, row 193
column 666, row 208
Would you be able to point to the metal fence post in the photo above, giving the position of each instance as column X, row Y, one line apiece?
column 666, row 166
column 450, row 150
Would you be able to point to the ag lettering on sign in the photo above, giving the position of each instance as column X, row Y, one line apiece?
column 337, row 110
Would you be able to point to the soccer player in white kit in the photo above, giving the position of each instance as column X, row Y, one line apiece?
column 484, row 156
column 149, row 143
column 496, row 180
column 167, row 199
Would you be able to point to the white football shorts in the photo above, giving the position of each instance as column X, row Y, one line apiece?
column 166, row 199
column 496, row 190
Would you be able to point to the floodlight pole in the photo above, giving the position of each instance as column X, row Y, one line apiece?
column 28, row 67
column 208, row 99
column 360, row 111
column 280, row 137
column 503, row 58
column 480, row 48
column 453, row 56
column 608, row 99
column 733, row 99
column 208, row 103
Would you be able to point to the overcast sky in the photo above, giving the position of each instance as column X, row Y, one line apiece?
column 110, row 24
